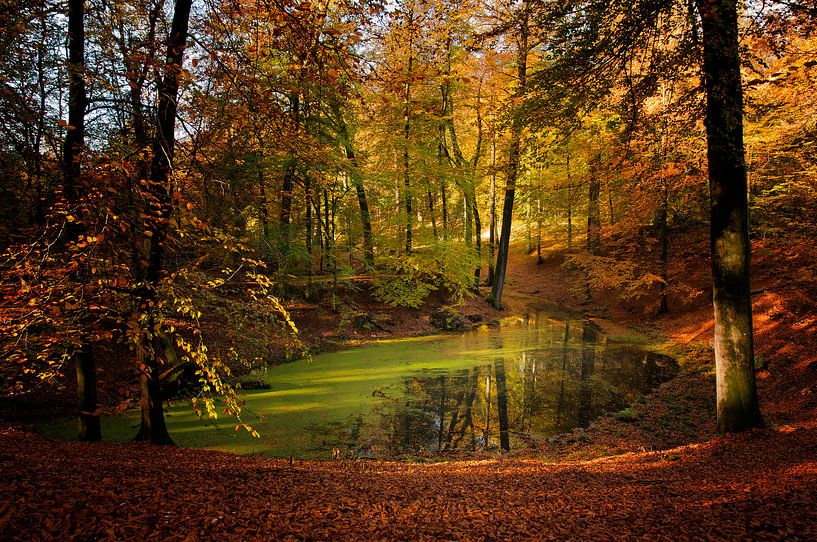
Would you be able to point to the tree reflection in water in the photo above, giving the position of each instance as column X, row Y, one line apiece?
column 562, row 381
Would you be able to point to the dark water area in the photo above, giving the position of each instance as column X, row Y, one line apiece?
column 531, row 378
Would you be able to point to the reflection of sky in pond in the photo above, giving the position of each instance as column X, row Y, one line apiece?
column 531, row 378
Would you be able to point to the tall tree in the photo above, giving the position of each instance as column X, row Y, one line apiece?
column 89, row 424
column 590, row 43
column 729, row 227
column 357, row 181
column 513, row 158
column 153, row 426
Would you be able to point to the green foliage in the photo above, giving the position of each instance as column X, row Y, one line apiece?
column 250, row 304
column 443, row 265
column 405, row 285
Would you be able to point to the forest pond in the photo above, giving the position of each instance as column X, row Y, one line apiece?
column 493, row 388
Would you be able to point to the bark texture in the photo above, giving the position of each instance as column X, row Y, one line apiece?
column 736, row 393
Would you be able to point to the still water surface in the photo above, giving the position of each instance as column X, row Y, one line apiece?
column 494, row 388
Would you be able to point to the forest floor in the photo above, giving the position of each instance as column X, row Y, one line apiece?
column 661, row 473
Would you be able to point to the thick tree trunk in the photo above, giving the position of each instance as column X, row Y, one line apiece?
column 153, row 426
column 90, row 429
column 513, row 166
column 734, row 349
column 89, row 425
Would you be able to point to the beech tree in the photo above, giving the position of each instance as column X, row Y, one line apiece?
column 89, row 424
column 157, row 218
column 521, row 30
column 734, row 346
column 589, row 40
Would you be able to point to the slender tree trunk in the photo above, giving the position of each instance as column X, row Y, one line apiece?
column 153, row 426
column 539, row 259
column 363, row 202
column 478, row 228
column 89, row 425
column 663, row 235
column 737, row 403
column 513, row 165
column 327, row 231
column 468, row 219
column 473, row 224
column 288, row 185
column 318, row 233
column 593, row 211
column 431, row 213
column 610, row 206
column 444, row 205
column 263, row 212
column 569, row 207
column 474, row 178
column 528, row 228
column 489, row 281
column 308, row 196
column 406, row 138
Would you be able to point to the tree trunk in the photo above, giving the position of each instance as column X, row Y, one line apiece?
column 593, row 211
column 89, row 425
column 263, row 213
column 308, row 197
column 489, row 281
column 153, row 426
column 357, row 181
column 288, row 186
column 478, row 228
column 569, row 206
column 663, row 240
column 431, row 213
column 737, row 404
column 90, row 429
column 513, row 166
column 406, row 138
